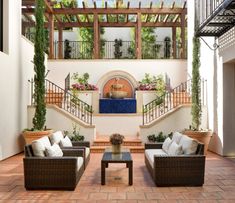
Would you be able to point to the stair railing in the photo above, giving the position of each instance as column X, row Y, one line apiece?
column 178, row 96
column 65, row 100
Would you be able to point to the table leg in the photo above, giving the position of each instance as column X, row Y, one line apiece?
column 103, row 166
column 130, row 166
column 107, row 165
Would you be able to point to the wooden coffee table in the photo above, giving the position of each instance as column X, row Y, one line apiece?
column 123, row 157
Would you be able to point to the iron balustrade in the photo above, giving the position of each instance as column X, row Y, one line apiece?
column 67, row 82
column 110, row 50
column 178, row 96
column 65, row 100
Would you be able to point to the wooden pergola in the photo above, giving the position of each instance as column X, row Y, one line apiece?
column 153, row 16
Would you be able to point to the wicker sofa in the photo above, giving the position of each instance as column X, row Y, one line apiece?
column 56, row 173
column 85, row 145
column 175, row 170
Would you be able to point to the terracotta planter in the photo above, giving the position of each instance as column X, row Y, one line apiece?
column 30, row 136
column 202, row 136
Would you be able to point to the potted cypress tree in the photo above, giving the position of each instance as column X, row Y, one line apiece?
column 195, row 132
column 39, row 119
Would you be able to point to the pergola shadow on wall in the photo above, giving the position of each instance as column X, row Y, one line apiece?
column 121, row 14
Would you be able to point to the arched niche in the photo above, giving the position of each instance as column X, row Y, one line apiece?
column 106, row 81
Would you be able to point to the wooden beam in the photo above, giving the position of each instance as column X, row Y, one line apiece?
column 150, row 7
column 167, row 15
column 48, row 6
column 96, row 36
column 92, row 11
column 51, row 36
column 174, row 41
column 183, row 35
column 107, row 24
column 139, row 41
column 156, row 18
column 60, row 42
column 127, row 16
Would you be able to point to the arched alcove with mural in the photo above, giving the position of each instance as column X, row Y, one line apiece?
column 117, row 92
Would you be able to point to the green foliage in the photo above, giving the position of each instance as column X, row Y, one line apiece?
column 196, row 110
column 167, row 47
column 75, row 135
column 160, row 137
column 39, row 68
column 67, row 49
column 81, row 79
column 117, row 49
column 150, row 48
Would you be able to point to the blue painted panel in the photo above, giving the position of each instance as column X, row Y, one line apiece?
column 117, row 105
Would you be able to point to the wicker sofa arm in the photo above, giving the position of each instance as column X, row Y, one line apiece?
column 51, row 172
column 81, row 143
column 153, row 145
column 179, row 170
column 72, row 152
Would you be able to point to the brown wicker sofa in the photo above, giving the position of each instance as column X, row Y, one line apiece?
column 175, row 170
column 56, row 173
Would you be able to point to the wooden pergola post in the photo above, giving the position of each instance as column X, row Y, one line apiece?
column 138, row 36
column 174, row 41
column 96, row 36
column 183, row 35
column 51, row 36
column 60, row 43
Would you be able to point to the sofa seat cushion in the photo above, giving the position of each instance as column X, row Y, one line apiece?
column 166, row 144
column 87, row 151
column 79, row 163
column 66, row 142
column 150, row 155
column 54, row 151
column 189, row 145
column 56, row 137
column 39, row 146
column 175, row 149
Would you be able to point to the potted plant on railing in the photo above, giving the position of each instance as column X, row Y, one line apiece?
column 195, row 132
column 39, row 119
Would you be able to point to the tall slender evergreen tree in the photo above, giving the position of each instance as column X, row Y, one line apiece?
column 196, row 110
column 39, row 68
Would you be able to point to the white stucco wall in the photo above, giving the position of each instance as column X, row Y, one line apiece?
column 179, row 120
column 63, row 121
column 16, row 69
column 175, row 69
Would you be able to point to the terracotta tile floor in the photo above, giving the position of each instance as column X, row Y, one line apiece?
column 219, row 184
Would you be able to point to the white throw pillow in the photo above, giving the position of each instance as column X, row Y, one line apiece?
column 54, row 151
column 166, row 144
column 66, row 142
column 56, row 137
column 189, row 145
column 39, row 146
column 176, row 137
column 175, row 149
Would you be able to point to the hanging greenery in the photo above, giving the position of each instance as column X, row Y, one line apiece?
column 39, row 68
column 196, row 110
column 117, row 48
column 67, row 49
column 167, row 47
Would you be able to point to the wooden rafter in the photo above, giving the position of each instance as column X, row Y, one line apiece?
column 66, row 16
column 167, row 15
column 127, row 16
column 84, row 7
column 147, row 15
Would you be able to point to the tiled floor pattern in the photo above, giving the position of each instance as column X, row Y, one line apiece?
column 219, row 184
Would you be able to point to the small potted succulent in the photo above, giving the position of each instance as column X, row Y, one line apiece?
column 116, row 140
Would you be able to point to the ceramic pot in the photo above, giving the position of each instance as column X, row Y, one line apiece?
column 118, row 94
column 116, row 149
column 30, row 136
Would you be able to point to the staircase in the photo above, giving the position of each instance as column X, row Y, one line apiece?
column 134, row 144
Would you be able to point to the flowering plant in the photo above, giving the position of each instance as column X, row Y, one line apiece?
column 80, row 87
column 116, row 139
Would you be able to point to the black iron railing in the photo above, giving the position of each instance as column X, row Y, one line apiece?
column 178, row 96
column 65, row 100
column 30, row 36
column 67, row 83
column 114, row 50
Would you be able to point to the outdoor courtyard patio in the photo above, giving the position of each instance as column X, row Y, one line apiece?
column 219, row 184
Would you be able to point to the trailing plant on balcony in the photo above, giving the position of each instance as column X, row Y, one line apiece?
column 39, row 68
column 117, row 48
column 167, row 47
column 67, row 49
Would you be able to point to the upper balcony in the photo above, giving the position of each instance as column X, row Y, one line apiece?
column 215, row 17
column 96, row 16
